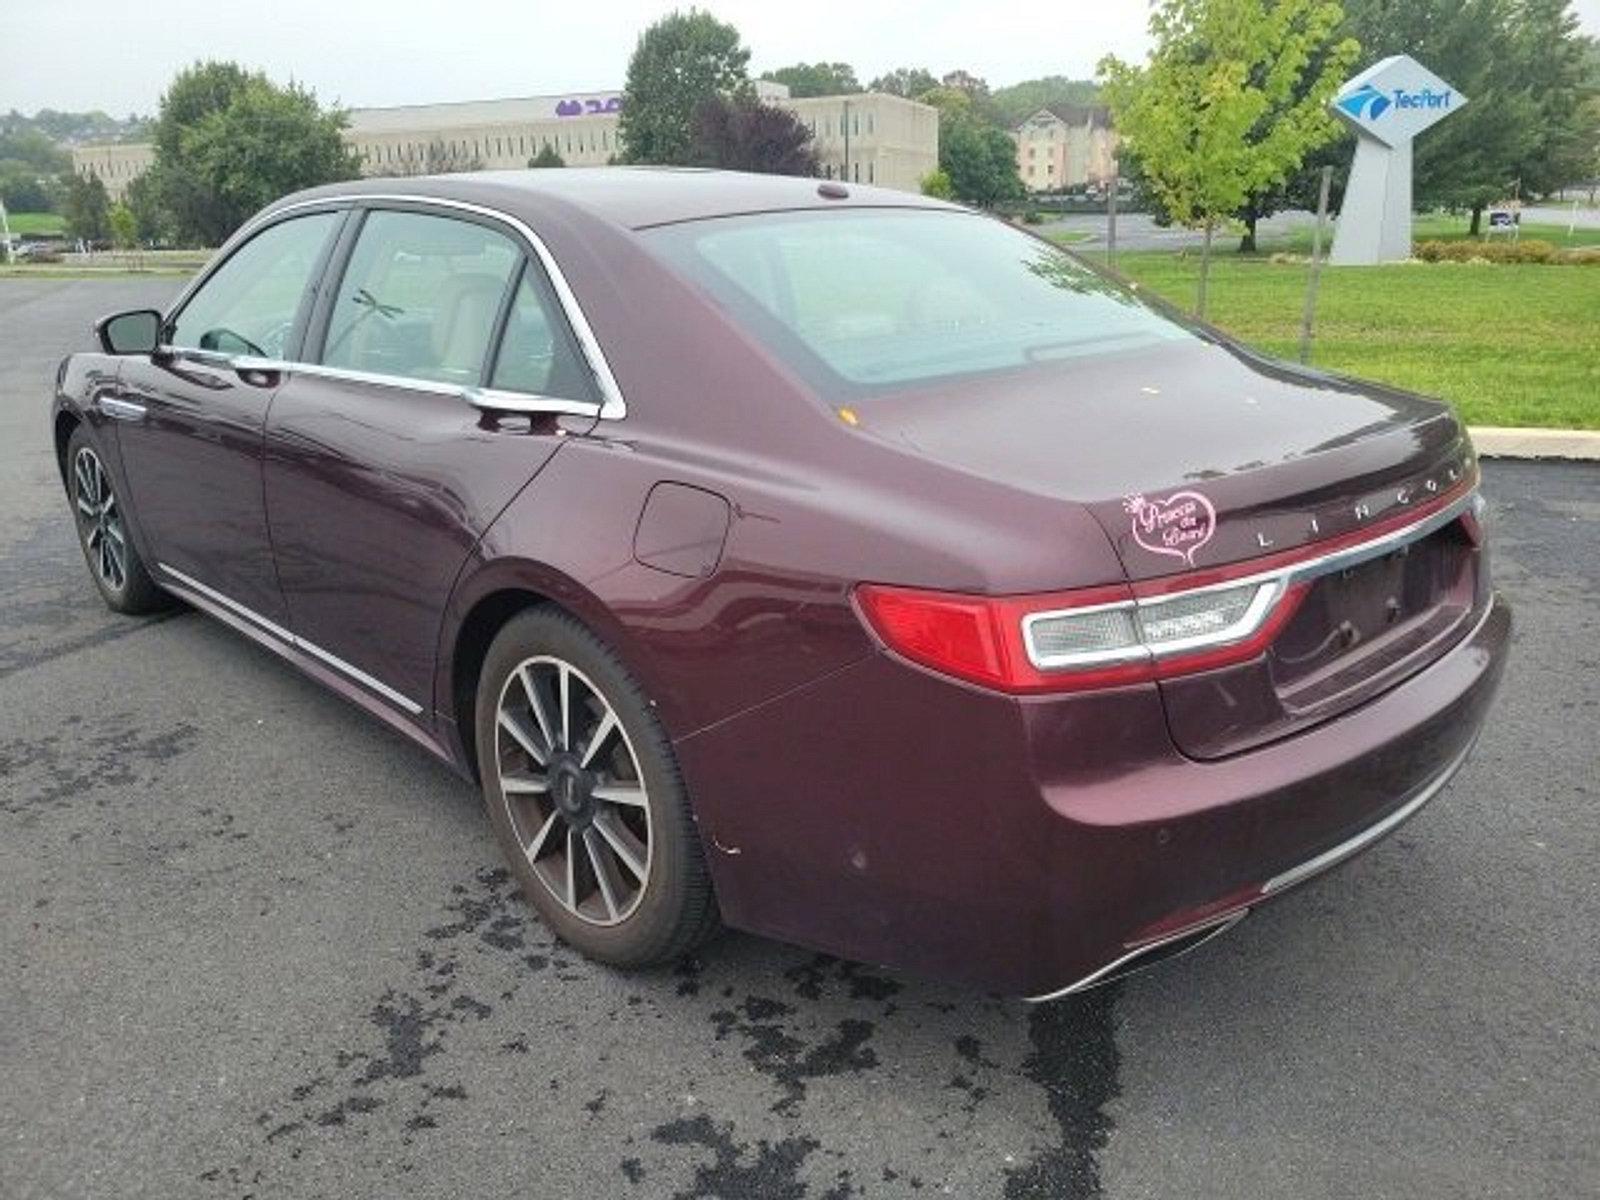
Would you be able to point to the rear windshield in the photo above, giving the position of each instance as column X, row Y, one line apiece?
column 866, row 301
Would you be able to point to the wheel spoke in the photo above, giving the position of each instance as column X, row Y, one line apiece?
column 118, row 567
column 86, row 508
column 86, row 480
column 630, row 794
column 602, row 871
column 572, row 869
column 628, row 850
column 565, row 701
column 115, row 533
column 524, row 785
column 517, row 728
column 539, row 839
column 602, row 731
column 536, row 703
column 93, row 538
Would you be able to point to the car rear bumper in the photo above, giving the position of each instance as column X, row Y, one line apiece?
column 1039, row 846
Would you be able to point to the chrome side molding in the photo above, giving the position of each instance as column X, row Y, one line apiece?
column 191, row 584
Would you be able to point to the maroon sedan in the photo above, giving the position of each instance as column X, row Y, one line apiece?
column 830, row 562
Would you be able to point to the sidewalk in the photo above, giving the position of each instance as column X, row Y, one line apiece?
column 1536, row 443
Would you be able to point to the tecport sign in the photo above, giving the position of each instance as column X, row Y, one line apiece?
column 1396, row 99
column 1388, row 105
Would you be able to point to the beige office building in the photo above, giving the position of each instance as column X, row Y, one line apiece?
column 868, row 138
column 1066, row 146
column 117, row 163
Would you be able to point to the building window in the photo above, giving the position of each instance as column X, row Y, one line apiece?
column 869, row 122
column 856, row 167
column 870, row 172
column 855, row 124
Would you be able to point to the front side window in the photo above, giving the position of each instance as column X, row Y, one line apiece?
column 420, row 298
column 249, row 304
column 862, row 302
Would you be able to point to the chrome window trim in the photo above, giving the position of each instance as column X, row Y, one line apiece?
column 1274, row 586
column 491, row 399
column 292, row 639
column 612, row 406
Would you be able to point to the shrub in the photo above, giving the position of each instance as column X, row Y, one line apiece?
column 1531, row 250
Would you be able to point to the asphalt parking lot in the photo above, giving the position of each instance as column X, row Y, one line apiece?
column 253, row 944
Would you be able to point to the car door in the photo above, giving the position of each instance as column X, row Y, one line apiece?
column 383, row 467
column 190, row 422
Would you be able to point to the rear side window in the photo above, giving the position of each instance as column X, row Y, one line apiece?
column 249, row 304
column 420, row 298
column 861, row 301
column 538, row 354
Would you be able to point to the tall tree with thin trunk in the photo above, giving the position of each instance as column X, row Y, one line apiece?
column 681, row 61
column 1233, row 98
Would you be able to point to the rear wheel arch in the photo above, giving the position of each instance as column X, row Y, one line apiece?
column 492, row 598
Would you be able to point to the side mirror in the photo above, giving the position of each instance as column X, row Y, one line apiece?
column 135, row 332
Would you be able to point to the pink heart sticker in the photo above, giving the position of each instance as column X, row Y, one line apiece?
column 1179, row 525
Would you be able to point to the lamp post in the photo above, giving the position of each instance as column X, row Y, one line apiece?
column 5, row 233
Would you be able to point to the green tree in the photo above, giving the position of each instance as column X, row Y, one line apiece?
column 1020, row 101
column 978, row 159
column 267, row 142
column 228, row 142
column 151, row 218
column 816, row 79
column 909, row 82
column 86, row 207
column 30, row 164
column 124, row 227
column 681, row 61
column 548, row 156
column 740, row 133
column 1213, row 115
column 936, row 183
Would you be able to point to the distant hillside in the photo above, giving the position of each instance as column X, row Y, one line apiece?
column 1022, row 100
column 76, row 128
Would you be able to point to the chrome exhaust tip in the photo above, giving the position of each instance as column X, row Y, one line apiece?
column 1164, row 949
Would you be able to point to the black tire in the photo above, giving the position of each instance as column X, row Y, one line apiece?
column 100, row 513
column 663, row 915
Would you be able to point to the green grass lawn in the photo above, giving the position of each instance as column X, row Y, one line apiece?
column 1508, row 345
column 37, row 224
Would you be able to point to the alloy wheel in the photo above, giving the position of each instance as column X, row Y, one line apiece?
column 100, row 520
column 572, row 790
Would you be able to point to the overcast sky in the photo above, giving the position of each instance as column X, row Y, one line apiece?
column 117, row 55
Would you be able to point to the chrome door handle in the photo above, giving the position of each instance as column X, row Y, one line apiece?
column 122, row 410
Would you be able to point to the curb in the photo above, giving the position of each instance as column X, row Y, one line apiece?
column 1536, row 443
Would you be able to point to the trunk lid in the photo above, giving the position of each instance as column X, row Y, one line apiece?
column 1202, row 455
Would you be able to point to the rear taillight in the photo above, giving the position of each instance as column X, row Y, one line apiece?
column 1069, row 641
column 1104, row 637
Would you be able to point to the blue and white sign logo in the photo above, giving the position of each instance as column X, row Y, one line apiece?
column 1396, row 99
column 1366, row 101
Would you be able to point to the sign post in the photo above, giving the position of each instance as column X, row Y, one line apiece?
column 1387, row 105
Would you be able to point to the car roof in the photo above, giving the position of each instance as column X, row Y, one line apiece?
column 635, row 197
